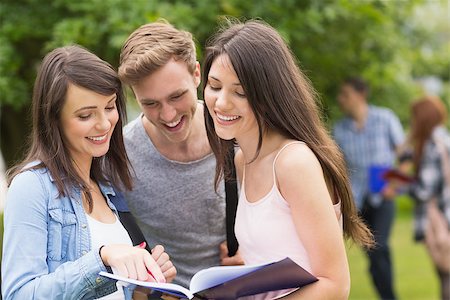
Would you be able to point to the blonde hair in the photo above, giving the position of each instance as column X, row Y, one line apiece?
column 151, row 46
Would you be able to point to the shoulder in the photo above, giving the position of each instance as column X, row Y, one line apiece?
column 31, row 176
column 299, row 174
column 383, row 112
column 132, row 126
column 440, row 138
column 29, row 187
column 239, row 162
column 134, row 136
column 296, row 158
column 239, row 158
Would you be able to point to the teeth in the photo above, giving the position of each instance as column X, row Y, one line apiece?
column 173, row 124
column 227, row 118
column 97, row 139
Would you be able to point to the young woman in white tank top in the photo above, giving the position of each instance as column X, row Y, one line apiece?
column 293, row 180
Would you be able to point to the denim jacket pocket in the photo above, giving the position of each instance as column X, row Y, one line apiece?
column 61, row 232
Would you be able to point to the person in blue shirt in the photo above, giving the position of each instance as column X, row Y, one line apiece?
column 65, row 218
column 370, row 137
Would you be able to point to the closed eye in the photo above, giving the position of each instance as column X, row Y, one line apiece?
column 214, row 88
column 84, row 117
column 178, row 96
column 149, row 104
column 241, row 95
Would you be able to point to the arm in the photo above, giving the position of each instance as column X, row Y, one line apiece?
column 396, row 133
column 25, row 269
column 301, row 182
column 239, row 163
column 397, row 142
column 428, row 177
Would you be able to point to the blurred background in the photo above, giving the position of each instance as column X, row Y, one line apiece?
column 401, row 47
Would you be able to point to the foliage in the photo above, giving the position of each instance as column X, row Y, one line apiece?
column 384, row 41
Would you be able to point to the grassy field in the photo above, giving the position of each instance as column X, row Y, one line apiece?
column 414, row 275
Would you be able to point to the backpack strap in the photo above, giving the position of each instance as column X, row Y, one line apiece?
column 127, row 220
column 231, row 199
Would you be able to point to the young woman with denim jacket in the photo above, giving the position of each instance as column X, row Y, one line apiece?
column 63, row 218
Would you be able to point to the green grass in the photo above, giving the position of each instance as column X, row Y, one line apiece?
column 414, row 275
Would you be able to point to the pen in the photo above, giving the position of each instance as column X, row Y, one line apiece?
column 142, row 245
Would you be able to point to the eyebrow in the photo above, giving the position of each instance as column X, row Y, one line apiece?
column 216, row 79
column 113, row 98
column 171, row 95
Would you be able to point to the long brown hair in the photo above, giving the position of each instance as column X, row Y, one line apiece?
column 427, row 113
column 78, row 66
column 282, row 100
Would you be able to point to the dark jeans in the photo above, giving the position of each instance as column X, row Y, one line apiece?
column 380, row 220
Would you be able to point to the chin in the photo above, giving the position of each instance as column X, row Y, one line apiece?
column 100, row 153
column 224, row 136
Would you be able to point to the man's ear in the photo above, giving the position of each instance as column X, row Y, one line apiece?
column 197, row 74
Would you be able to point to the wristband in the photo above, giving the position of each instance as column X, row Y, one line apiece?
column 100, row 251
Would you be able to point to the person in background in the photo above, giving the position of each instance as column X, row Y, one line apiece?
column 295, row 197
column 61, row 222
column 430, row 142
column 173, row 198
column 370, row 136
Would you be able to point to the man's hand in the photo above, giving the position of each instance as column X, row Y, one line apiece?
column 229, row 261
column 164, row 262
column 389, row 191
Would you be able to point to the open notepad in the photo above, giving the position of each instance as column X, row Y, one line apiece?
column 232, row 282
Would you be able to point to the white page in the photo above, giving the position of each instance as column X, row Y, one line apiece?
column 154, row 285
column 213, row 276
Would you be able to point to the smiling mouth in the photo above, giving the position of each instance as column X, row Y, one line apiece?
column 98, row 138
column 173, row 126
column 224, row 118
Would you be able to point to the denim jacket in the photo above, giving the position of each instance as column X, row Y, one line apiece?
column 47, row 247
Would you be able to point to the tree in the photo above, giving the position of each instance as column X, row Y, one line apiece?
column 383, row 41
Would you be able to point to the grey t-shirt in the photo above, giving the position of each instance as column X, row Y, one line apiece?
column 175, row 204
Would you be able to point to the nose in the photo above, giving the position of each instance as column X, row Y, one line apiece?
column 103, row 124
column 167, row 113
column 222, row 102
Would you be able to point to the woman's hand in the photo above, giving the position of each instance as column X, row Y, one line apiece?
column 163, row 261
column 132, row 262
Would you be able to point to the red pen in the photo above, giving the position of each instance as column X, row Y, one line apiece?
column 142, row 245
column 150, row 273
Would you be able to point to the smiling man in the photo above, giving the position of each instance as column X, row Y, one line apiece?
column 173, row 197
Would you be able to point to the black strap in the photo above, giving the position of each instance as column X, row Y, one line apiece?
column 128, row 221
column 135, row 233
column 231, row 199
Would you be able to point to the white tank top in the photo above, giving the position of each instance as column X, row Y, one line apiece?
column 266, row 232
column 106, row 234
